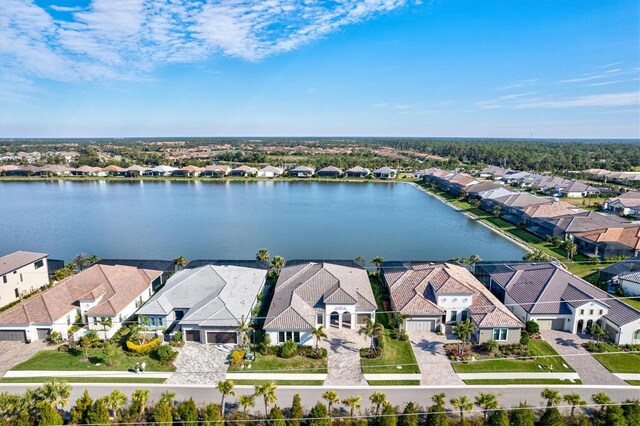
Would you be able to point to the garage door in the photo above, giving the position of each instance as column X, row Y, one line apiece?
column 417, row 324
column 192, row 335
column 43, row 333
column 218, row 337
column 557, row 324
column 13, row 335
column 544, row 324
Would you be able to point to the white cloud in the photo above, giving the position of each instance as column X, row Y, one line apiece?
column 518, row 84
column 600, row 100
column 125, row 38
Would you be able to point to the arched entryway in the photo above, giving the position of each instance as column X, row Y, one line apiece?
column 346, row 320
column 580, row 326
column 334, row 319
column 589, row 324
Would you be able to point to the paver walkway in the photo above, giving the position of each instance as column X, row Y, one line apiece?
column 434, row 365
column 569, row 345
column 200, row 363
column 14, row 353
column 344, row 367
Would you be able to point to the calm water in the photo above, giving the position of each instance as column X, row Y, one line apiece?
column 231, row 220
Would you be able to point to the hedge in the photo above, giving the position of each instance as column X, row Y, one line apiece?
column 144, row 348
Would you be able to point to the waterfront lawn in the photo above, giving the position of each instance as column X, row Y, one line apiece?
column 503, row 365
column 69, row 361
column 272, row 363
column 618, row 362
column 395, row 353
column 382, row 300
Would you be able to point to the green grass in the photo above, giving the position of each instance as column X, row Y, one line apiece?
column 634, row 382
column 619, row 363
column 395, row 353
column 82, row 380
column 382, row 300
column 393, row 382
column 522, row 382
column 501, row 365
column 632, row 302
column 271, row 363
column 66, row 361
column 280, row 382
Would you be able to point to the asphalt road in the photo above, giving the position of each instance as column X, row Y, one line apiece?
column 397, row 395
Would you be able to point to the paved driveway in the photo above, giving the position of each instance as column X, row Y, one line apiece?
column 344, row 358
column 13, row 353
column 569, row 345
column 200, row 363
column 434, row 365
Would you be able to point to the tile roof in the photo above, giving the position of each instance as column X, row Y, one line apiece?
column 385, row 169
column 330, row 169
column 271, row 169
column 303, row 169
column 18, row 259
column 546, row 288
column 358, row 169
column 245, row 168
column 482, row 187
column 113, row 286
column 304, row 288
column 520, row 199
column 588, row 221
column 551, row 209
column 413, row 287
column 629, row 237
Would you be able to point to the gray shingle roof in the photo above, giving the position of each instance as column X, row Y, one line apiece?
column 18, row 259
column 302, row 290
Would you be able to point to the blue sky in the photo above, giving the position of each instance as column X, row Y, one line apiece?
column 547, row 68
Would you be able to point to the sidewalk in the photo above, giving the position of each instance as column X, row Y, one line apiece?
column 118, row 374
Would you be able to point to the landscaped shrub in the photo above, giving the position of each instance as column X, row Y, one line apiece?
column 164, row 354
column 90, row 340
column 370, row 353
column 489, row 346
column 176, row 340
column 320, row 354
column 54, row 338
column 532, row 327
column 516, row 350
column 144, row 348
column 524, row 339
column 236, row 357
column 288, row 349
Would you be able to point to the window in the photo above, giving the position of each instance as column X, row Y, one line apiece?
column 179, row 315
column 320, row 319
column 581, row 311
column 590, row 311
column 39, row 264
column 600, row 311
column 20, row 276
column 68, row 319
column 17, row 293
column 284, row 336
column 152, row 321
column 500, row 334
column 4, row 279
column 454, row 315
column 636, row 335
column 463, row 316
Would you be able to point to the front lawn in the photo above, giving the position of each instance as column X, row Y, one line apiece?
column 82, row 380
column 504, row 365
column 522, row 382
column 70, row 361
column 273, row 363
column 393, row 382
column 395, row 353
column 280, row 382
column 618, row 362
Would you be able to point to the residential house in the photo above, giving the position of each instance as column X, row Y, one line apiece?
column 188, row 171
column 135, row 170
column 115, row 170
column 630, row 283
column 575, row 189
column 510, row 205
column 357, row 172
column 627, row 204
column 554, row 298
column 216, row 170
column 456, row 183
column 609, row 242
column 244, row 171
column 477, row 190
column 270, row 172
column 89, row 171
column 494, row 172
column 612, row 273
column 100, row 292
column 529, row 215
column 205, row 302
column 301, row 172
column 21, row 273
column 385, row 173
column 160, row 170
column 565, row 226
column 313, row 294
column 329, row 171
column 436, row 295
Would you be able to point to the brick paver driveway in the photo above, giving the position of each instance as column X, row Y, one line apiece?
column 344, row 366
column 13, row 353
column 569, row 345
column 200, row 363
column 434, row 365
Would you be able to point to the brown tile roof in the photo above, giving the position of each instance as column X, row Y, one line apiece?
column 629, row 237
column 118, row 286
column 18, row 259
column 551, row 209
column 113, row 168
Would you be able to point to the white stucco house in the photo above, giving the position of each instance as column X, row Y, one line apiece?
column 22, row 272
column 270, row 172
column 312, row 294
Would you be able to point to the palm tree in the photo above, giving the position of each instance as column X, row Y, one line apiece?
column 378, row 262
column 246, row 401
column 93, row 259
column 268, row 393
column 225, row 388
column 438, row 399
column 474, row 259
column 263, row 256
column 277, row 263
column 82, row 260
column 497, row 211
column 463, row 403
column 115, row 400
column 180, row 262
column 463, row 330
column 378, row 399
column 353, row 402
column 552, row 396
column 243, row 329
column 597, row 332
column 574, row 399
column 140, row 397
column 536, row 255
column 571, row 249
column 486, row 401
column 319, row 333
column 373, row 330
column 602, row 399
column 56, row 392
column 400, row 317
column 332, row 398
column 105, row 322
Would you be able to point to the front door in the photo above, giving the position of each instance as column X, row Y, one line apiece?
column 334, row 319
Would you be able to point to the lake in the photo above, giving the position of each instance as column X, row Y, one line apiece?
column 232, row 220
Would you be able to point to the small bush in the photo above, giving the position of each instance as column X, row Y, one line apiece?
column 370, row 353
column 288, row 349
column 489, row 346
column 531, row 327
column 164, row 354
column 524, row 339
column 54, row 338
column 144, row 348
column 320, row 354
column 236, row 357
